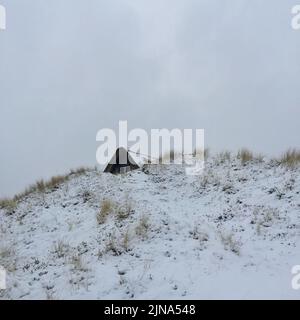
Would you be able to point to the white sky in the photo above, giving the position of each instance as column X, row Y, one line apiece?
column 71, row 67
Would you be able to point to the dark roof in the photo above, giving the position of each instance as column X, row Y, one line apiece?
column 121, row 159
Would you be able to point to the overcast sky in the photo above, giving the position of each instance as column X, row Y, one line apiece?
column 71, row 67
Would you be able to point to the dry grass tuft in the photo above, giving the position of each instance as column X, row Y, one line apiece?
column 209, row 178
column 223, row 157
column 79, row 171
column 291, row 158
column 9, row 205
column 112, row 245
column 169, row 157
column 117, row 244
column 245, row 156
column 230, row 243
column 77, row 263
column 42, row 186
column 259, row 158
column 201, row 154
column 8, row 258
column 55, row 181
column 107, row 207
column 61, row 249
column 31, row 189
column 126, row 240
column 265, row 217
column 143, row 226
column 120, row 211
column 52, row 184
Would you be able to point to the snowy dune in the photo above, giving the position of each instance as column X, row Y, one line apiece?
column 233, row 232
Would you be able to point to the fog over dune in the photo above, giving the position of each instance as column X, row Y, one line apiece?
column 71, row 67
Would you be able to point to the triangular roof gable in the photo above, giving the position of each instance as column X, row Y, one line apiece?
column 121, row 159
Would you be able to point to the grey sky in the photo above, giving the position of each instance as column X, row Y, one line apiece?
column 71, row 67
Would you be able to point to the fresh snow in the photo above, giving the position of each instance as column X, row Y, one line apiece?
column 231, row 233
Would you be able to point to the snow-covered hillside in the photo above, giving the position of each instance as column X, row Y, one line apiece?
column 233, row 232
